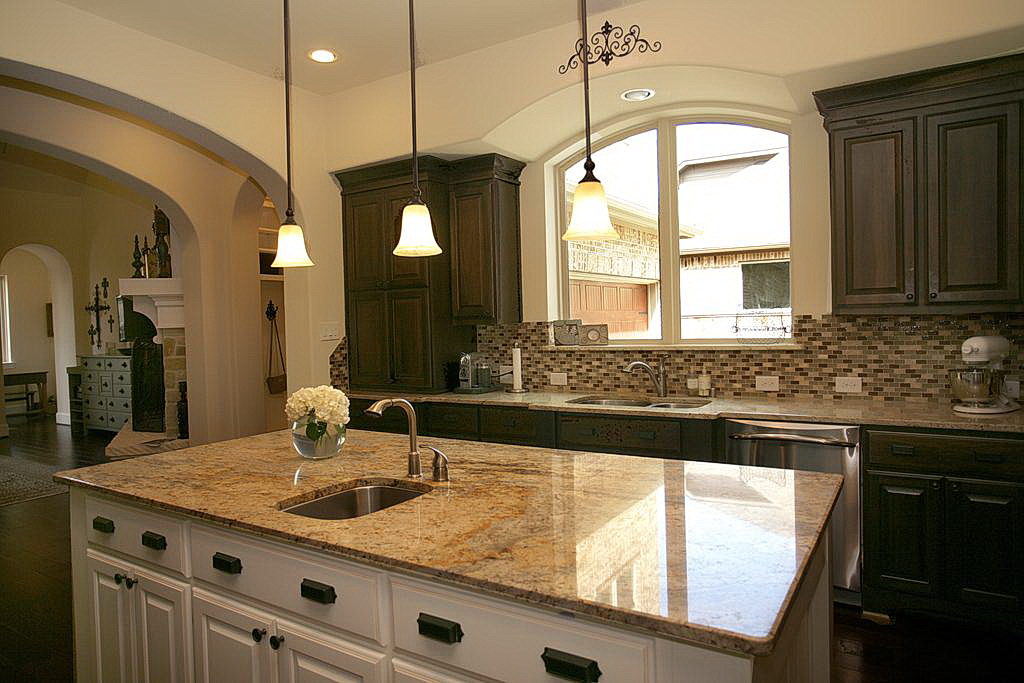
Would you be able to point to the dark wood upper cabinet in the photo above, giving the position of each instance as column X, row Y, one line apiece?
column 926, row 185
column 404, row 271
column 369, row 360
column 365, row 263
column 485, row 240
column 873, row 185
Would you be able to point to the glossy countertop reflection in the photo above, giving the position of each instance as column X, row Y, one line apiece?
column 701, row 552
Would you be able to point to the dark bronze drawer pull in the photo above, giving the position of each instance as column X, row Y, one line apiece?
column 509, row 423
column 570, row 666
column 318, row 592
column 647, row 435
column 439, row 629
column 990, row 457
column 229, row 564
column 153, row 540
column 901, row 449
column 103, row 524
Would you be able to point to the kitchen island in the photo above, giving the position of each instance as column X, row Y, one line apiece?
column 186, row 566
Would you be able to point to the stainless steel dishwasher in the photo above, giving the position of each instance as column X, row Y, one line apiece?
column 818, row 448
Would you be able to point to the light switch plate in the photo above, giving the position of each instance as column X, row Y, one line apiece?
column 330, row 331
column 766, row 382
column 849, row 385
column 506, row 374
column 558, row 379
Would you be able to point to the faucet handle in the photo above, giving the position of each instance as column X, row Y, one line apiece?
column 440, row 465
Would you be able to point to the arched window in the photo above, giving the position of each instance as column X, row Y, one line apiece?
column 702, row 213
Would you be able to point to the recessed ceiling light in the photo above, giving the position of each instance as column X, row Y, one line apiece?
column 323, row 55
column 637, row 94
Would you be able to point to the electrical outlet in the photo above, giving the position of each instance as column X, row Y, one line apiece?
column 691, row 382
column 1012, row 385
column 766, row 382
column 330, row 331
column 849, row 385
column 506, row 374
column 558, row 379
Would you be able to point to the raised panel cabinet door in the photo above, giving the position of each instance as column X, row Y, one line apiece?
column 873, row 214
column 409, row 317
column 110, row 600
column 307, row 657
column 985, row 543
column 369, row 349
column 231, row 643
column 403, row 271
column 366, row 240
column 903, row 529
column 973, row 202
column 163, row 629
column 473, row 258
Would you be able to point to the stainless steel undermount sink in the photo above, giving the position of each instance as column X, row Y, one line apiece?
column 354, row 502
column 667, row 403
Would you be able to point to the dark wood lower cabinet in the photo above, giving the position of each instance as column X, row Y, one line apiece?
column 985, row 543
column 517, row 426
column 903, row 533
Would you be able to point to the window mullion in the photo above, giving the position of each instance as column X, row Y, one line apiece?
column 668, row 225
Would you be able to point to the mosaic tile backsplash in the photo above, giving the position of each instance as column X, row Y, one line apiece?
column 897, row 358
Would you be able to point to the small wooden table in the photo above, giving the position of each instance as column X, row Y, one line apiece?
column 24, row 379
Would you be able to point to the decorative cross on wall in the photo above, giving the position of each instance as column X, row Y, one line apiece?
column 97, row 309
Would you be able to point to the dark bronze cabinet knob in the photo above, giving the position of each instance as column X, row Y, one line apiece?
column 934, row 295
column 275, row 641
column 258, row 633
column 910, row 296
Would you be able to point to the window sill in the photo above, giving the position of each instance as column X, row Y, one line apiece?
column 710, row 345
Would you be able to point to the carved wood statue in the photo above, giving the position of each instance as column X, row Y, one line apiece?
column 162, row 230
column 148, row 397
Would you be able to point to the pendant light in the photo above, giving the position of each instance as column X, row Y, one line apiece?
column 590, row 219
column 291, row 245
column 417, row 238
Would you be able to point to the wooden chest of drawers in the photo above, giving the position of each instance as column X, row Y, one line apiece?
column 106, row 391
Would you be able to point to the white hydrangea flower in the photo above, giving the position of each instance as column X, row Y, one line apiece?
column 323, row 403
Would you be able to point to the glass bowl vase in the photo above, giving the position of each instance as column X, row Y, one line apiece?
column 312, row 441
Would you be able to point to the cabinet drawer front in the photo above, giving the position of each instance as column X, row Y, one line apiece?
column 121, row 378
column 452, row 420
column 106, row 382
column 95, row 417
column 290, row 581
column 506, row 643
column 92, row 364
column 122, row 391
column 614, row 435
column 939, row 453
column 90, row 388
column 129, row 528
column 121, row 405
column 91, row 403
column 116, row 420
column 517, row 425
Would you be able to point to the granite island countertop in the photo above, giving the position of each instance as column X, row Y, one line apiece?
column 931, row 415
column 700, row 552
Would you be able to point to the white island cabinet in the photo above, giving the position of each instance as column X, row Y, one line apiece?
column 530, row 566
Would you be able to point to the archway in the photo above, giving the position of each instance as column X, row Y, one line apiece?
column 63, row 300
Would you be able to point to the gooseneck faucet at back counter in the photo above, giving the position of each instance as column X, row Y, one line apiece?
column 658, row 376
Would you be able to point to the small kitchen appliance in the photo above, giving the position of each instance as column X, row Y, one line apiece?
column 979, row 387
column 474, row 375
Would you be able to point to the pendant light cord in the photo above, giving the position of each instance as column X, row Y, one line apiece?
column 289, row 212
column 416, row 196
column 588, row 165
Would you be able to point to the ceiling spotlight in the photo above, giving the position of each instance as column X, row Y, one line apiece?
column 323, row 55
column 637, row 94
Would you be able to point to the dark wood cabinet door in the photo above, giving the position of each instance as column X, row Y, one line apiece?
column 973, row 204
column 472, row 257
column 369, row 361
column 403, row 271
column 408, row 313
column 985, row 543
column 365, row 241
column 903, row 529
column 452, row 420
column 873, row 214
column 630, row 436
column 517, row 425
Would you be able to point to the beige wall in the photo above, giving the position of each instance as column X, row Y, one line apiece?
column 29, row 291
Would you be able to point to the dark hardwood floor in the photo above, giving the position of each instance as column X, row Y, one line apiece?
column 35, row 557
column 35, row 596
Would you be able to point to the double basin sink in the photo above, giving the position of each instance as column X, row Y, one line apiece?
column 631, row 402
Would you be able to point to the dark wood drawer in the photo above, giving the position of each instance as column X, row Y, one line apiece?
column 454, row 420
column 391, row 420
column 632, row 436
column 517, row 425
column 946, row 454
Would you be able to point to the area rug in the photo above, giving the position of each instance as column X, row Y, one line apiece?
column 22, row 480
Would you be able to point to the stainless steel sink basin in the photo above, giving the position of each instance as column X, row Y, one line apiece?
column 681, row 403
column 611, row 401
column 354, row 502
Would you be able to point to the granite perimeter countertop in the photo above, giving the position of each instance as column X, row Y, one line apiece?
column 700, row 552
column 935, row 415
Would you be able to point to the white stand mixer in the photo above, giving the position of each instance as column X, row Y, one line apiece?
column 979, row 386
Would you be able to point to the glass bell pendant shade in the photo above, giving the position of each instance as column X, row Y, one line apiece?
column 590, row 219
column 291, row 248
column 417, row 238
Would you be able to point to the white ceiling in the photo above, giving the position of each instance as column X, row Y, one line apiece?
column 370, row 36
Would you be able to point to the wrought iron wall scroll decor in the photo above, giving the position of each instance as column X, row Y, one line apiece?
column 607, row 44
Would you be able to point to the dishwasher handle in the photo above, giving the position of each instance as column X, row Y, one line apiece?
column 792, row 438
